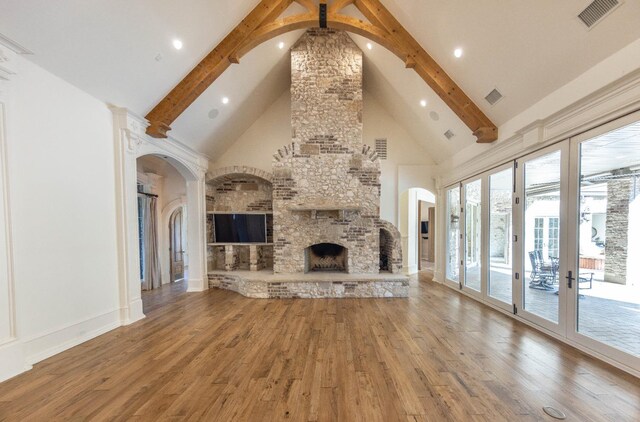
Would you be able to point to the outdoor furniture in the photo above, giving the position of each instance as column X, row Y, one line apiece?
column 542, row 275
column 584, row 278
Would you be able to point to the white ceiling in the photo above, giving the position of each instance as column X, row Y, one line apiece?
column 526, row 49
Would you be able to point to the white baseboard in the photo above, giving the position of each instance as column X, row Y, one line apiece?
column 13, row 361
column 197, row 285
column 438, row 277
column 134, row 313
column 411, row 269
column 51, row 343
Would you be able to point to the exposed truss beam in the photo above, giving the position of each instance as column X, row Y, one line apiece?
column 263, row 23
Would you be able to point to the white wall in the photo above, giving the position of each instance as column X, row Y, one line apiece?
column 62, row 202
column 256, row 146
column 408, row 164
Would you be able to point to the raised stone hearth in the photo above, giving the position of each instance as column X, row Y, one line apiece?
column 265, row 285
column 328, row 238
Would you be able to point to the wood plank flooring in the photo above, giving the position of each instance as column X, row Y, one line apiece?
column 217, row 356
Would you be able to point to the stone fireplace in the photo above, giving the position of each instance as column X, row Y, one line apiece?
column 326, row 257
column 328, row 237
column 326, row 183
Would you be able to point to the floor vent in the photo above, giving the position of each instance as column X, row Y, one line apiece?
column 448, row 134
column 597, row 10
column 493, row 97
column 381, row 148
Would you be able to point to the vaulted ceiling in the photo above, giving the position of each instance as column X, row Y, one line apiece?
column 121, row 52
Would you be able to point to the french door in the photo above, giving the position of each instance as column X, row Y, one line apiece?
column 554, row 237
column 603, row 308
column 540, row 240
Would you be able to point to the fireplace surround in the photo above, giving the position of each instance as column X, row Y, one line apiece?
column 328, row 238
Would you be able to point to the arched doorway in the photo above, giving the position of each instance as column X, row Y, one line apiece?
column 176, row 246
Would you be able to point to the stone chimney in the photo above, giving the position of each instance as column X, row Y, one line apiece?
column 326, row 184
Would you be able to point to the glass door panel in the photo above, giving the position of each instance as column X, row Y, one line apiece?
column 473, row 235
column 453, row 234
column 608, row 276
column 500, row 237
column 541, row 219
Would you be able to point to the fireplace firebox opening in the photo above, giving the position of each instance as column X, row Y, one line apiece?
column 326, row 257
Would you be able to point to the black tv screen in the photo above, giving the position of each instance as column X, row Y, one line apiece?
column 240, row 228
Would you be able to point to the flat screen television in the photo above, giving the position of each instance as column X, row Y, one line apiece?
column 240, row 228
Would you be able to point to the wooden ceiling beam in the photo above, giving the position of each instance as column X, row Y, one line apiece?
column 263, row 23
column 209, row 69
column 420, row 61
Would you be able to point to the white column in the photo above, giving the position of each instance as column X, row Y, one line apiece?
column 196, row 239
column 126, row 149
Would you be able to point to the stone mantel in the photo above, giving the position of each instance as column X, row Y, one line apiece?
column 324, row 207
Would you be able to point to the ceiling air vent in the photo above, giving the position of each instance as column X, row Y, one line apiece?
column 493, row 97
column 381, row 148
column 596, row 11
column 448, row 134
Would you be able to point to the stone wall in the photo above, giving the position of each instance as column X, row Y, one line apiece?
column 326, row 184
column 239, row 193
column 619, row 193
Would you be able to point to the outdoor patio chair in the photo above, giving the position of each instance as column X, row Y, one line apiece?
column 542, row 275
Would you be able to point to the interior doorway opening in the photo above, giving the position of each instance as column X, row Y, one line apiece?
column 162, row 222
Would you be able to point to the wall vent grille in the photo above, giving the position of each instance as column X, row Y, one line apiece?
column 448, row 134
column 597, row 10
column 381, row 148
column 493, row 97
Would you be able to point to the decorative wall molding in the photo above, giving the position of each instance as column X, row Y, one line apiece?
column 7, row 282
column 131, row 142
column 604, row 105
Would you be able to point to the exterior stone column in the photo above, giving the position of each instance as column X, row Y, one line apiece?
column 617, row 231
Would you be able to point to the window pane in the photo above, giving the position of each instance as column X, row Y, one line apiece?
column 542, row 224
column 453, row 234
column 609, row 233
column 473, row 234
column 500, row 237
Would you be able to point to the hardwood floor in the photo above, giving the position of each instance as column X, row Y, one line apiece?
column 219, row 356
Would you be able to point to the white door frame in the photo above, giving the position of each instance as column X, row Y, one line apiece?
column 487, row 200
column 573, row 248
column 463, row 230
column 131, row 142
column 519, row 258
column 445, row 231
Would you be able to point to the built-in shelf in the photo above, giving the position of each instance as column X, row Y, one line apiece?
column 239, row 244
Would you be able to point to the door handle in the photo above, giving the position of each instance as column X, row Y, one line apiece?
column 570, row 279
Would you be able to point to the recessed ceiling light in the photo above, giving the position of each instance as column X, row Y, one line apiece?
column 177, row 44
column 281, row 45
column 457, row 52
column 423, row 103
column 434, row 116
column 370, row 46
column 225, row 100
